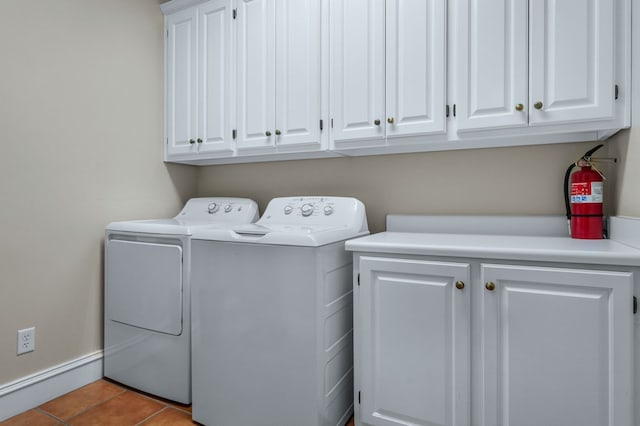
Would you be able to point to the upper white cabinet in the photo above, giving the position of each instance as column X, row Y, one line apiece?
column 216, row 78
column 572, row 61
column 357, row 69
column 537, row 63
column 416, row 67
column 243, row 80
column 256, row 73
column 199, row 93
column 259, row 80
column 492, row 64
column 181, row 83
column 279, row 77
column 387, row 70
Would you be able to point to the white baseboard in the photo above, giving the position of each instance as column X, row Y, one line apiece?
column 30, row 391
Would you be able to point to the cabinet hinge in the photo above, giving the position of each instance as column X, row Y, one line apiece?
column 635, row 305
column 358, row 397
column 321, row 125
column 447, row 111
column 234, row 13
column 234, row 133
column 358, row 279
column 617, row 91
column 454, row 110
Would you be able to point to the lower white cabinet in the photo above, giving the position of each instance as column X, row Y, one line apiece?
column 557, row 346
column 412, row 329
column 469, row 342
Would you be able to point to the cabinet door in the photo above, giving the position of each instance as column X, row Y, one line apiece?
column 256, row 75
column 557, row 347
column 412, row 342
column 216, row 78
column 572, row 60
column 298, row 74
column 181, row 90
column 357, row 82
column 415, row 67
column 491, row 64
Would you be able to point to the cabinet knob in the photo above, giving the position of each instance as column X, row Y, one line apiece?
column 278, row 132
column 191, row 141
column 390, row 120
column 376, row 122
column 267, row 133
column 459, row 285
column 519, row 107
column 199, row 140
column 538, row 105
column 490, row 286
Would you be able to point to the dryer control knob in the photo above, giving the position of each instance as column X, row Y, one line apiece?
column 328, row 210
column 227, row 208
column 288, row 209
column 307, row 209
column 213, row 207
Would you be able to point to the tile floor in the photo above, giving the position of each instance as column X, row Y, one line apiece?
column 106, row 403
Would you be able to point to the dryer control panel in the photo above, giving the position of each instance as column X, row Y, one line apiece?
column 219, row 209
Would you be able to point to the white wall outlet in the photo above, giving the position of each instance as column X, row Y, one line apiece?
column 26, row 340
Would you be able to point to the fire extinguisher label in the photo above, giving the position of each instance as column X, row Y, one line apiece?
column 586, row 192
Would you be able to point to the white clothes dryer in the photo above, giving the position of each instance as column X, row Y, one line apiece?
column 272, row 316
column 147, row 323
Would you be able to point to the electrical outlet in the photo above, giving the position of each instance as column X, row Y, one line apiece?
column 26, row 340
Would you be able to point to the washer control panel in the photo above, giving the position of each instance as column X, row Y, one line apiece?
column 311, row 210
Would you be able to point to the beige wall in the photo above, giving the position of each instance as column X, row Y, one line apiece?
column 80, row 130
column 626, row 147
column 519, row 180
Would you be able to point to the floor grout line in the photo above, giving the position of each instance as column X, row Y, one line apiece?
column 86, row 409
column 182, row 410
column 48, row 414
column 152, row 415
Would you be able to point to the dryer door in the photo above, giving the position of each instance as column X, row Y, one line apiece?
column 143, row 285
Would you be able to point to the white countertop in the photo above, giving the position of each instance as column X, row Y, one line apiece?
column 508, row 247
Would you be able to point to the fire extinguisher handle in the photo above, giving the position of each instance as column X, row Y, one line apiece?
column 592, row 151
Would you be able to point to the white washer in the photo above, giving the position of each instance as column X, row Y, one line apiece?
column 273, row 316
column 147, row 295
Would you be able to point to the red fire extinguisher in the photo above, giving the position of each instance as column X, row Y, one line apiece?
column 583, row 198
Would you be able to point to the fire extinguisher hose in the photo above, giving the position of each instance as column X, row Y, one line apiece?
column 567, row 203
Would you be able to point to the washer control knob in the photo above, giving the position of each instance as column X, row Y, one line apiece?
column 227, row 208
column 213, row 207
column 328, row 210
column 288, row 209
column 307, row 209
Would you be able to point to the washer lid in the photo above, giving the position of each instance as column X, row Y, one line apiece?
column 208, row 211
column 298, row 221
